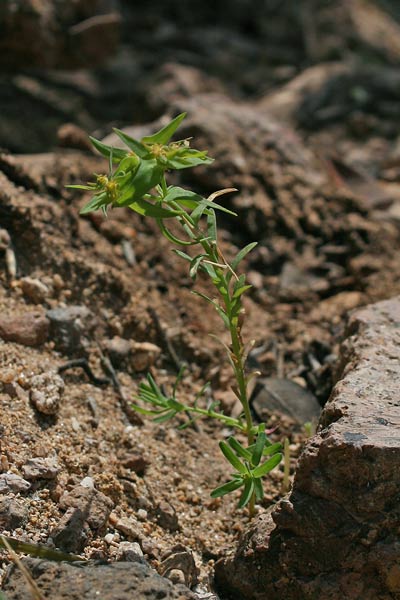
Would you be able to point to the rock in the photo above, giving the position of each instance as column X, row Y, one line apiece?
column 95, row 506
column 128, row 528
column 46, row 392
column 13, row 513
column 272, row 395
column 68, row 326
column 178, row 562
column 28, row 328
column 166, row 516
column 135, row 462
column 10, row 482
column 40, row 468
column 69, row 535
column 144, row 355
column 334, row 536
column 34, row 290
column 66, row 581
column 129, row 552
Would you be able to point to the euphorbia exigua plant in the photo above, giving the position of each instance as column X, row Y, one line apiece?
column 137, row 180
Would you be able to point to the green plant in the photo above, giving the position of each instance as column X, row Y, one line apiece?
column 139, row 182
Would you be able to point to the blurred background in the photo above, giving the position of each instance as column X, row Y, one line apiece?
column 101, row 63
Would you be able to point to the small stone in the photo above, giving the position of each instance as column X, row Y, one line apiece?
column 94, row 505
column 40, row 468
column 166, row 516
column 28, row 328
column 129, row 551
column 109, row 538
column 142, row 514
column 144, row 355
column 273, row 395
column 46, row 392
column 34, row 290
column 67, row 326
column 176, row 576
column 178, row 564
column 135, row 462
column 69, row 534
column 12, row 513
column 87, row 482
column 9, row 482
column 128, row 528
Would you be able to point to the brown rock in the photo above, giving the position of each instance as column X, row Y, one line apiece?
column 29, row 328
column 67, row 581
column 12, row 513
column 40, row 468
column 335, row 537
column 95, row 506
column 69, row 535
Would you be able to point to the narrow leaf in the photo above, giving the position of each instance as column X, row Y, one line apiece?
column 267, row 466
column 268, row 450
column 146, row 209
column 132, row 144
column 240, row 255
column 165, row 134
column 258, row 487
column 231, row 486
column 239, row 449
column 258, row 449
column 232, row 458
column 247, row 493
column 107, row 151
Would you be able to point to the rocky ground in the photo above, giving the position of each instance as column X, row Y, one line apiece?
column 89, row 305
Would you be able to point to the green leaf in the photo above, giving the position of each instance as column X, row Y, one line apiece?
column 258, row 449
column 165, row 134
column 165, row 417
column 212, row 226
column 232, row 458
column 38, row 550
column 267, row 466
column 90, row 187
column 247, row 493
column 240, row 255
column 146, row 209
column 194, row 265
column 132, row 144
column 95, row 203
column 231, row 486
column 171, row 237
column 182, row 255
column 187, row 158
column 117, row 153
column 258, row 488
column 268, row 450
column 239, row 449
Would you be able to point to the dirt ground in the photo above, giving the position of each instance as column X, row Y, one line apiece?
column 313, row 149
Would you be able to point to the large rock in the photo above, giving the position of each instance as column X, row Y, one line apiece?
column 336, row 536
column 66, row 581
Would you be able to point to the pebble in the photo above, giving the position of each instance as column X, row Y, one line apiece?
column 10, row 482
column 69, row 535
column 12, row 513
column 129, row 551
column 29, row 328
column 128, row 528
column 142, row 514
column 87, row 482
column 95, row 505
column 46, row 392
column 166, row 516
column 40, row 468
column 273, row 395
column 67, row 326
column 34, row 290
